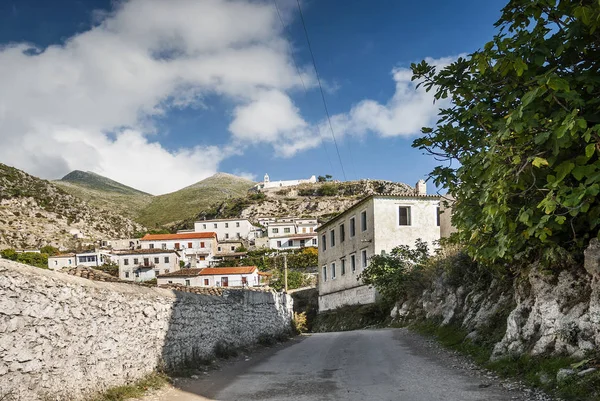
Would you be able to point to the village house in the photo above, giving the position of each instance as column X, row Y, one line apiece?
column 57, row 262
column 196, row 248
column 293, row 241
column 131, row 243
column 146, row 264
column 246, row 276
column 93, row 258
column 374, row 225
column 228, row 229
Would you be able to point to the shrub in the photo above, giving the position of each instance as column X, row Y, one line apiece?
column 300, row 322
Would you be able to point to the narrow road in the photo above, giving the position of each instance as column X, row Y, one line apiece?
column 387, row 364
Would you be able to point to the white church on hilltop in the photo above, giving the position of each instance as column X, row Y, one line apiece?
column 267, row 183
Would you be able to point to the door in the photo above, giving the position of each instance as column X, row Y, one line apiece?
column 225, row 281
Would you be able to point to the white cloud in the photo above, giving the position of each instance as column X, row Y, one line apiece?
column 88, row 104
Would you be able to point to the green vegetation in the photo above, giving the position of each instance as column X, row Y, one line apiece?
column 151, row 382
column 353, row 317
column 99, row 183
column 29, row 258
column 524, row 127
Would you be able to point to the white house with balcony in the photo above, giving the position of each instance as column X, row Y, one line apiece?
column 294, row 241
column 376, row 224
column 93, row 258
column 197, row 249
column 228, row 229
column 146, row 264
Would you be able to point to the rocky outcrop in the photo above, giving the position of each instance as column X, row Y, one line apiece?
column 540, row 313
column 64, row 337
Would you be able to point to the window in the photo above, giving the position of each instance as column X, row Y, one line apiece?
column 363, row 221
column 202, row 257
column 219, row 248
column 290, row 242
column 312, row 229
column 202, row 245
column 332, row 238
column 226, row 225
column 324, row 242
column 303, row 230
column 333, row 271
column 70, row 261
column 215, row 225
column 166, row 259
column 437, row 215
column 314, row 241
column 170, row 281
column 156, row 260
column 151, row 246
column 352, row 227
column 226, row 236
column 135, row 261
column 278, row 244
column 189, row 244
column 206, row 282
column 177, row 245
column 324, row 273
column 364, row 258
column 342, row 233
column 238, row 235
column 204, row 226
column 125, row 262
column 353, row 263
column 146, row 261
column 275, row 231
column 137, row 274
column 237, row 224
column 187, row 283
column 343, row 261
column 126, row 274
column 164, row 246
column 233, row 248
column 404, row 215
column 286, row 230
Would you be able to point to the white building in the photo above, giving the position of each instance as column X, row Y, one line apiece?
column 294, row 241
column 267, row 183
column 196, row 248
column 57, row 262
column 246, row 276
column 376, row 224
column 93, row 258
column 228, row 229
column 131, row 243
column 146, row 264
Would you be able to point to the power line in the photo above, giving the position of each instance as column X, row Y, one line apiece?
column 321, row 89
column 289, row 35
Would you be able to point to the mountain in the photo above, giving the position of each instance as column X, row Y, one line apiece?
column 104, row 193
column 35, row 212
column 186, row 203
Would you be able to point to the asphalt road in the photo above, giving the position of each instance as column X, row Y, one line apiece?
column 387, row 364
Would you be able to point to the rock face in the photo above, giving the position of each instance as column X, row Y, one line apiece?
column 65, row 337
column 546, row 314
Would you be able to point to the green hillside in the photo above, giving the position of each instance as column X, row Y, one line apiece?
column 189, row 201
column 104, row 193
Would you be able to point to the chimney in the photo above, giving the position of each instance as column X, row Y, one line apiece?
column 421, row 188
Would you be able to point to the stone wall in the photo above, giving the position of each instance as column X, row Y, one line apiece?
column 540, row 313
column 65, row 337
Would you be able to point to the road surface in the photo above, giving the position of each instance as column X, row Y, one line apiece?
column 386, row 365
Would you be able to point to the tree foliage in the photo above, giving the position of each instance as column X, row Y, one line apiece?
column 28, row 258
column 523, row 124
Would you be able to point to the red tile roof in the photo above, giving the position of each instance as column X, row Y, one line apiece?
column 183, row 236
column 214, row 271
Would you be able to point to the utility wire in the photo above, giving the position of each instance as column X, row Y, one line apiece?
column 321, row 88
column 289, row 35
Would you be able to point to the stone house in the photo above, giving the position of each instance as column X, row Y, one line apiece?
column 146, row 264
column 374, row 225
column 57, row 262
column 246, row 276
column 196, row 248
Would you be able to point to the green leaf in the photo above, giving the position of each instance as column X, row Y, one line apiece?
column 589, row 150
column 560, row 219
column 563, row 169
column 557, row 84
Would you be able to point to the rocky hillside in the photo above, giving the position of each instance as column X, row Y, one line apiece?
column 185, row 204
column 104, row 193
column 35, row 212
column 321, row 200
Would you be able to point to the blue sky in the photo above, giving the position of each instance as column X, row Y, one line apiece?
column 160, row 94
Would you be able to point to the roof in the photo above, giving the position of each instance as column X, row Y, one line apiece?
column 183, row 236
column 62, row 255
column 142, row 251
column 182, row 273
column 365, row 199
column 213, row 271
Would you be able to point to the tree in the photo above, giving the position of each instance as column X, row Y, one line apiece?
column 49, row 250
column 524, row 126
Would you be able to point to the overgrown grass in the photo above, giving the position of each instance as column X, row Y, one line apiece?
column 352, row 317
column 538, row 372
column 153, row 381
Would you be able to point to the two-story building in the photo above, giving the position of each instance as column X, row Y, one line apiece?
column 196, row 248
column 376, row 224
column 146, row 264
column 294, row 241
column 228, row 229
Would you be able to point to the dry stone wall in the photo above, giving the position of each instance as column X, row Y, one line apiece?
column 64, row 337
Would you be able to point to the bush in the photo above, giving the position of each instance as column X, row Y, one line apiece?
column 300, row 322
